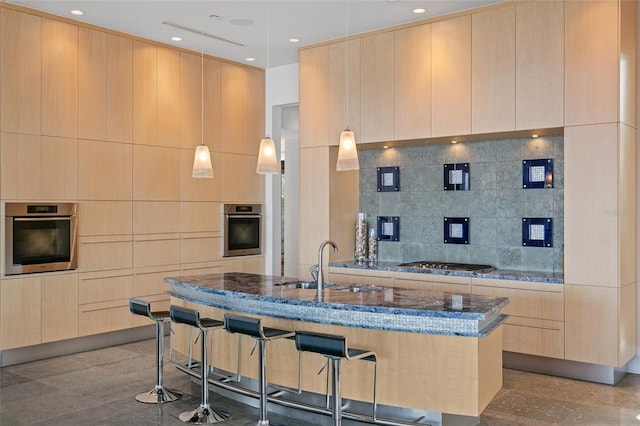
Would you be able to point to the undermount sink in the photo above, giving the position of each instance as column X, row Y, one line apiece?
column 360, row 288
column 303, row 284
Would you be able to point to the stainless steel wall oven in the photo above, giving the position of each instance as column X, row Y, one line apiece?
column 242, row 229
column 40, row 237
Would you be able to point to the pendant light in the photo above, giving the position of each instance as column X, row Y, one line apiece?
column 267, row 156
column 347, row 151
column 202, row 159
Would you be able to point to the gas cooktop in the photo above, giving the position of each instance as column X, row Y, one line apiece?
column 425, row 264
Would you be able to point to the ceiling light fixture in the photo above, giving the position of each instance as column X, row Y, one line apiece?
column 347, row 151
column 250, row 59
column 267, row 155
column 294, row 40
column 202, row 167
column 77, row 12
column 176, row 38
column 534, row 136
column 454, row 142
column 419, row 10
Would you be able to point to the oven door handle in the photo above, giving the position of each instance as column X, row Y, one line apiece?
column 41, row 219
column 244, row 216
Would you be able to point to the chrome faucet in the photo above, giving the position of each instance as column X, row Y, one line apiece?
column 320, row 281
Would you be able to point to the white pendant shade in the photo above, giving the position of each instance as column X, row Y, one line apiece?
column 267, row 158
column 347, row 152
column 202, row 163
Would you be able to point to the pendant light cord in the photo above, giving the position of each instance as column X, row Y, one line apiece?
column 346, row 61
column 202, row 88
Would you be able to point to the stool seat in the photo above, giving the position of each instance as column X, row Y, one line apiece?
column 204, row 414
column 159, row 394
column 253, row 327
column 335, row 348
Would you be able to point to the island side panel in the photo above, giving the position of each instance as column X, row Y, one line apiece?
column 450, row 374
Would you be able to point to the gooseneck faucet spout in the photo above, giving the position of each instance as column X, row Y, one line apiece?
column 320, row 282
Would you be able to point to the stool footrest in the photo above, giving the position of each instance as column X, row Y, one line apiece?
column 204, row 414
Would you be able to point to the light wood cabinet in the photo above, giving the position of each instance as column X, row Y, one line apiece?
column 145, row 93
column 314, row 99
column 412, row 82
column 59, row 79
column 20, row 312
column 59, row 168
column 539, row 64
column 119, row 75
column 92, row 84
column 377, row 91
column 361, row 276
column 191, row 95
column 168, row 114
column 591, row 201
column 240, row 182
column 344, row 89
column 212, row 105
column 451, row 77
column 493, row 57
column 241, row 119
column 156, row 173
column 21, row 71
column 21, row 171
column 460, row 285
column 591, row 62
column 99, row 159
column 59, row 307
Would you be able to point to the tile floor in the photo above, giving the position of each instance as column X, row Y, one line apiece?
column 98, row 388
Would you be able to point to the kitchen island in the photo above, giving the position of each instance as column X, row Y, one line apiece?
column 437, row 352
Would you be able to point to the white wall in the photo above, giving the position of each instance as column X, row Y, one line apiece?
column 281, row 89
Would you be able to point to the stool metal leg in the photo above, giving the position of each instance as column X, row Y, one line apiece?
column 262, row 367
column 159, row 394
column 204, row 414
column 335, row 390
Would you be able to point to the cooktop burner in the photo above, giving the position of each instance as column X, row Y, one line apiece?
column 449, row 266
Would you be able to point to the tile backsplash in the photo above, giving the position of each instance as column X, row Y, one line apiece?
column 495, row 204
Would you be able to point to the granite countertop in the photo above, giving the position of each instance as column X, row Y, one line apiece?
column 497, row 274
column 420, row 311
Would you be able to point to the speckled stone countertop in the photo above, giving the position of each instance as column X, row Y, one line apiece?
column 497, row 274
column 417, row 311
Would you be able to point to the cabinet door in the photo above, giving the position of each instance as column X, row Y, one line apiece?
column 314, row 99
column 168, row 97
column 119, row 75
column 412, row 82
column 539, row 64
column 59, row 307
column 451, row 77
column 145, row 93
column 92, row 84
column 591, row 62
column 377, row 87
column 242, row 118
column 344, row 89
column 21, row 70
column 59, row 79
column 20, row 312
column 493, row 71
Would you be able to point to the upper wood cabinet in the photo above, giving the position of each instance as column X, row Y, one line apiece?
column 344, row 89
column 451, row 77
column 377, row 59
column 539, row 64
column 190, row 100
column 119, row 75
column 59, row 79
column 591, row 62
column 145, row 93
column 92, row 84
column 241, row 118
column 21, row 71
column 314, row 99
column 412, row 82
column 168, row 95
column 493, row 70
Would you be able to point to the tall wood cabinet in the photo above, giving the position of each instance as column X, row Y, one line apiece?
column 377, row 66
column 79, row 103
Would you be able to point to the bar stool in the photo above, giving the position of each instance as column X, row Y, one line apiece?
column 159, row 394
column 253, row 327
column 204, row 414
column 335, row 349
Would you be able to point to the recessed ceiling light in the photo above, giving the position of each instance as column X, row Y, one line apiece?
column 534, row 136
column 250, row 59
column 385, row 146
column 419, row 10
column 176, row 38
column 454, row 141
column 77, row 12
column 294, row 40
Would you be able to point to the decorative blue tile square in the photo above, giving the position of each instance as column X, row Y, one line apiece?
column 388, row 228
column 537, row 231
column 456, row 230
column 537, row 173
column 456, row 177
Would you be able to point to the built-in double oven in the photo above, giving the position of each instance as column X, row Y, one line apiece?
column 40, row 237
column 242, row 229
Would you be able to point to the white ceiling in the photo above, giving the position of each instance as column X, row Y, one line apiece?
column 310, row 21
